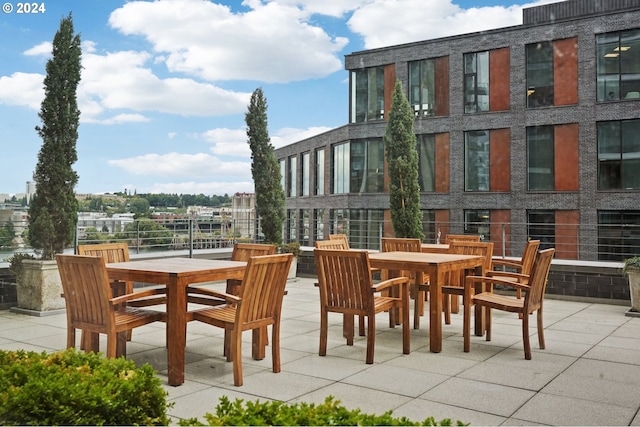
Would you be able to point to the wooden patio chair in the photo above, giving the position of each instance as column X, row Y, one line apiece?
column 340, row 237
column 114, row 252
column 92, row 307
column 522, row 266
column 462, row 237
column 257, row 305
column 395, row 244
column 454, row 280
column 242, row 252
column 532, row 301
column 346, row 287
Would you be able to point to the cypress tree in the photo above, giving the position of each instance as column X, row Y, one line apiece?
column 402, row 160
column 53, row 212
column 265, row 170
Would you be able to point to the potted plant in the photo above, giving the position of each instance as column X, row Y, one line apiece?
column 53, row 211
column 632, row 269
column 291, row 248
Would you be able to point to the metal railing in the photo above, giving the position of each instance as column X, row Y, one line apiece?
column 591, row 242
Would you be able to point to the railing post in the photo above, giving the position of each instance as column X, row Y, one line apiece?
column 504, row 243
column 138, row 236
column 190, row 238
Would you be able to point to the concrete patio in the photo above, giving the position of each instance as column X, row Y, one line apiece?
column 589, row 373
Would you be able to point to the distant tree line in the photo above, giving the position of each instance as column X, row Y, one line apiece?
column 141, row 203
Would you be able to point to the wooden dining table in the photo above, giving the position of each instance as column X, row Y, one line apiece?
column 176, row 274
column 435, row 265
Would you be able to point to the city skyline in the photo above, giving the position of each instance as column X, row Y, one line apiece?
column 166, row 84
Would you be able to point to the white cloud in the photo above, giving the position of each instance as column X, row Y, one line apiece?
column 182, row 165
column 120, row 80
column 43, row 49
column 119, row 119
column 427, row 19
column 22, row 89
column 228, row 142
column 272, row 42
column 286, row 136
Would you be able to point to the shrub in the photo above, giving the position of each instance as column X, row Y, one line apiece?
column 631, row 264
column 329, row 413
column 76, row 388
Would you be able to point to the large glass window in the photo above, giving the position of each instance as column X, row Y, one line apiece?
column 422, row 87
column 320, row 171
column 618, row 65
column 363, row 227
column 318, row 218
column 293, row 176
column 306, row 166
column 367, row 95
column 341, row 161
column 619, row 155
column 539, row 74
column 283, row 170
column 429, row 225
column 540, row 158
column 426, row 145
column 541, row 226
column 618, row 235
column 367, row 166
column 477, row 221
column 476, row 82
column 292, row 220
column 476, row 160
column 305, row 227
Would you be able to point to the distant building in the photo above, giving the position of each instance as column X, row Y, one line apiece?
column 31, row 190
column 243, row 212
column 100, row 221
column 529, row 131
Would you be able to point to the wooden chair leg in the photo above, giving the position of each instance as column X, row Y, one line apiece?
column 236, row 351
column 275, row 346
column 466, row 328
column 348, row 328
column 371, row 337
column 361, row 326
column 324, row 322
column 525, row 336
column 540, row 330
column 446, row 308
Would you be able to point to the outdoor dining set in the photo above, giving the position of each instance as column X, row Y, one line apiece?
column 358, row 284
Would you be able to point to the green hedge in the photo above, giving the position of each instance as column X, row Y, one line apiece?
column 275, row 413
column 75, row 388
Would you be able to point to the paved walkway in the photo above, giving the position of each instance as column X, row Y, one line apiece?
column 588, row 375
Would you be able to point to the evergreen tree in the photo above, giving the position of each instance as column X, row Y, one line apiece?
column 53, row 212
column 402, row 159
column 265, row 170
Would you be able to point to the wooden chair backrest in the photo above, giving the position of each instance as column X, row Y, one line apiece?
column 111, row 252
column 462, row 237
column 336, row 244
column 395, row 244
column 398, row 244
column 87, row 291
column 345, row 281
column 244, row 251
column 262, row 289
column 341, row 237
column 529, row 256
column 484, row 249
column 538, row 280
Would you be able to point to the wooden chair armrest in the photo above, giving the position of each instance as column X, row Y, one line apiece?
column 472, row 280
column 213, row 293
column 509, row 275
column 507, row 263
column 140, row 295
column 390, row 283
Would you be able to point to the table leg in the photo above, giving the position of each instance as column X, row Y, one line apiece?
column 478, row 312
column 435, row 311
column 176, row 331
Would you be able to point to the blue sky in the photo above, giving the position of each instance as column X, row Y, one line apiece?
column 165, row 84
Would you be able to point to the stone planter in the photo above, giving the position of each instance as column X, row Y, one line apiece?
column 293, row 269
column 634, row 291
column 39, row 288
